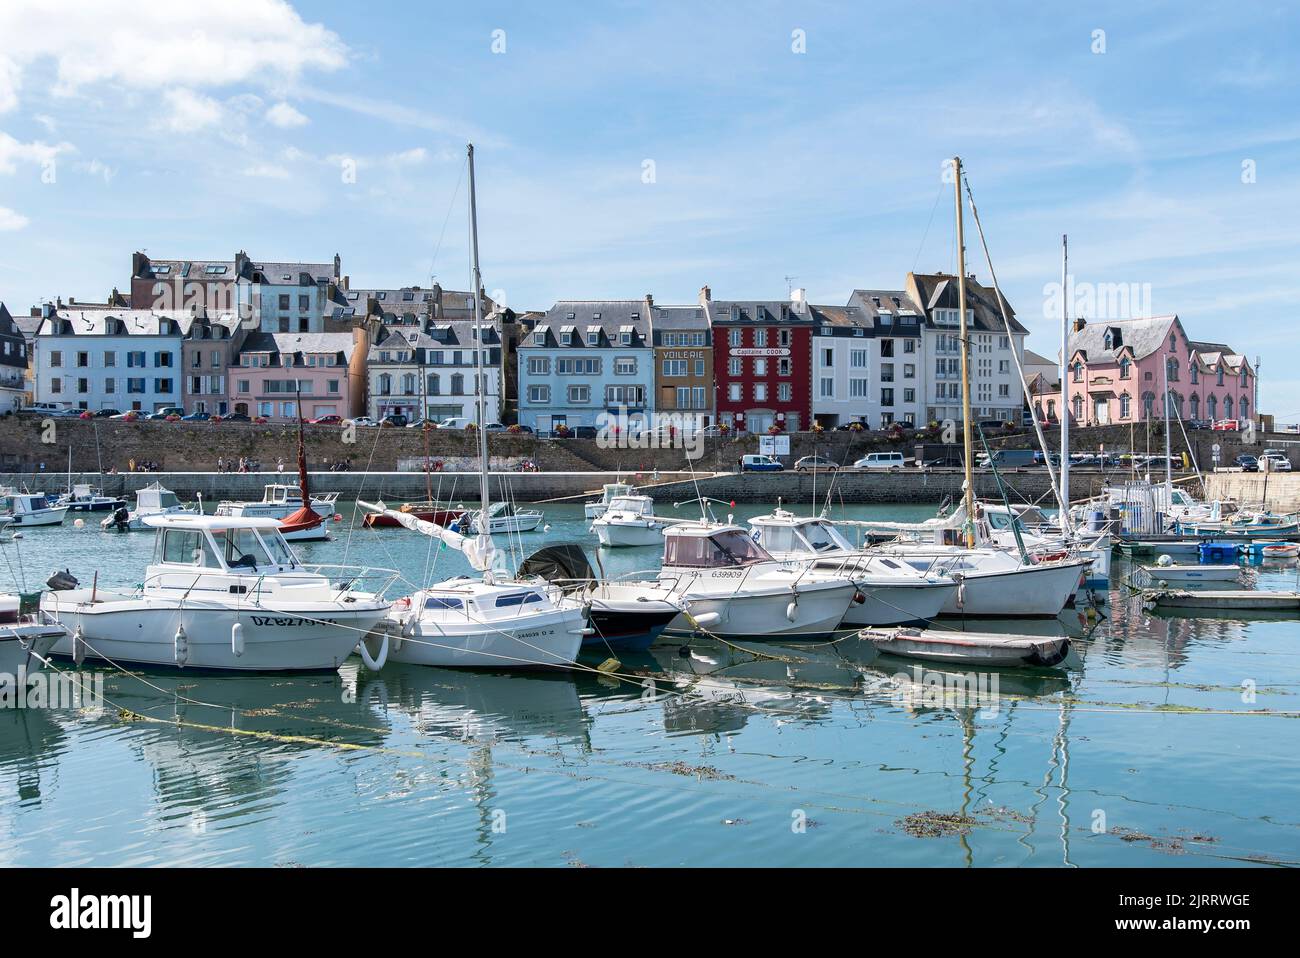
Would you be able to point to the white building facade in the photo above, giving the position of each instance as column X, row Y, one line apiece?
column 868, row 362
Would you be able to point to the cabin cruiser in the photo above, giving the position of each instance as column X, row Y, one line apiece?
column 503, row 517
column 893, row 592
column 1042, row 536
column 26, row 636
column 225, row 592
column 992, row 581
column 279, row 501
column 152, row 500
column 733, row 587
column 608, row 493
column 82, row 498
column 33, row 509
column 630, row 521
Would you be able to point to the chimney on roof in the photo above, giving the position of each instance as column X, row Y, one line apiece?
column 347, row 282
column 706, row 295
column 138, row 263
column 338, row 266
column 799, row 301
column 649, row 299
column 241, row 263
column 1079, row 323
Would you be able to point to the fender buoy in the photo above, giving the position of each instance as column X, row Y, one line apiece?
column 792, row 610
column 78, row 646
column 373, row 662
column 237, row 639
column 181, row 643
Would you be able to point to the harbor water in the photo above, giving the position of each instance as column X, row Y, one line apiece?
column 1163, row 741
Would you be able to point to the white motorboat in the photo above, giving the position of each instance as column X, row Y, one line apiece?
column 608, row 493
column 733, row 587
column 26, row 636
column 893, row 592
column 225, row 592
column 279, row 501
column 33, row 509
column 1167, row 573
column 1040, row 536
column 152, row 500
column 503, row 517
column 630, row 521
column 83, row 498
column 493, row 621
column 992, row 581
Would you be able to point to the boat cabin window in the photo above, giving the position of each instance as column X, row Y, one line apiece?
column 443, row 602
column 187, row 547
column 621, row 504
column 824, row 538
column 729, row 548
column 277, row 547
column 241, row 548
column 517, row 598
column 777, row 539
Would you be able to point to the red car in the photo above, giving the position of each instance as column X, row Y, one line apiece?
column 330, row 420
column 1226, row 425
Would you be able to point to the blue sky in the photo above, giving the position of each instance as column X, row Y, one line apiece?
column 193, row 133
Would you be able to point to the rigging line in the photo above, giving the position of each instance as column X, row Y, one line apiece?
column 446, row 219
column 920, row 248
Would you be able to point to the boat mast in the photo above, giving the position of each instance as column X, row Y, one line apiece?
column 1065, row 366
column 1169, row 467
column 481, row 386
column 965, row 359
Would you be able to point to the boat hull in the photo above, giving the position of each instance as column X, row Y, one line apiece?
column 618, row 535
column 45, row 517
column 628, row 631
column 25, row 646
column 142, row 631
column 970, row 648
column 756, row 615
column 890, row 604
column 546, row 640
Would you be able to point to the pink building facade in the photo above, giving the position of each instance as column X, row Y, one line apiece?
column 1118, row 371
column 277, row 370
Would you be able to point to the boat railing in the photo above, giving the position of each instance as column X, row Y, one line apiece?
column 347, row 578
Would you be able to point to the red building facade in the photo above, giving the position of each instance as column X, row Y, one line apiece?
column 762, row 363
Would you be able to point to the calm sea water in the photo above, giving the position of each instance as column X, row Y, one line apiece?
column 1143, row 752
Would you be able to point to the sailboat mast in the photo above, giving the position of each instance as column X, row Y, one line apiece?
column 481, row 386
column 1065, row 366
column 964, row 338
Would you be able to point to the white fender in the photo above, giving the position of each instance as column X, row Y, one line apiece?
column 706, row 618
column 792, row 610
column 181, row 642
column 78, row 646
column 237, row 639
column 376, row 662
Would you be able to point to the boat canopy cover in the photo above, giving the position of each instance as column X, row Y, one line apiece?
column 563, row 561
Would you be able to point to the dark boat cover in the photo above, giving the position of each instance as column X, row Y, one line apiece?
column 565, row 561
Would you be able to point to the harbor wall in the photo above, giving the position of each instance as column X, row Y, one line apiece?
column 393, row 487
column 1280, row 494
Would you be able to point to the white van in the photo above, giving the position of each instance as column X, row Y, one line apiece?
column 456, row 422
column 881, row 460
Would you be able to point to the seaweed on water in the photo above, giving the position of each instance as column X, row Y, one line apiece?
column 694, row 771
column 936, row 824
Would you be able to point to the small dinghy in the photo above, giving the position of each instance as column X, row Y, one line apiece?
column 1167, row 572
column 1224, row 600
column 970, row 648
column 1280, row 550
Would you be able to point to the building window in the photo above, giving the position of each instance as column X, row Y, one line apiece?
column 538, row 366
column 886, row 397
column 1078, row 372
column 858, row 389
column 828, row 358
column 887, row 348
column 56, row 385
column 733, row 392
column 735, row 337
column 783, row 391
column 1171, row 369
column 760, row 367
column 760, row 392
column 760, row 337
column 827, row 387
column 858, row 359
column 626, row 366
column 579, row 394
column 539, row 394
column 56, row 359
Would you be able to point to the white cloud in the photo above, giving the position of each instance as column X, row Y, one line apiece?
column 191, row 111
column 267, row 171
column 285, row 116
column 39, row 153
column 408, row 157
column 50, row 124
column 9, row 220
column 106, row 41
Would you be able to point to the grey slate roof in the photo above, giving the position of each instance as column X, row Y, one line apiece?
column 299, row 343
column 113, row 322
column 611, row 315
column 939, row 290
column 1143, row 336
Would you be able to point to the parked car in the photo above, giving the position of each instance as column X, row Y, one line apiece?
column 106, row 413
column 881, row 460
column 167, row 411
column 1278, row 460
column 522, row 428
column 496, row 427
column 454, row 422
column 758, row 463
column 422, row 424
column 394, row 419
column 332, row 419
column 362, row 421
column 49, row 409
column 236, row 417
column 1247, row 463
column 1226, row 425
column 943, row 462
column 583, row 432
column 196, row 417
column 1198, row 424
column 815, row 464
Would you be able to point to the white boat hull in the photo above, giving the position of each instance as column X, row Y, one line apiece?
column 970, row 648
column 616, row 535
column 25, row 646
column 508, row 524
column 818, row 611
column 130, row 629
column 1028, row 590
column 43, row 517
column 889, row 604
column 543, row 640
column 1181, row 574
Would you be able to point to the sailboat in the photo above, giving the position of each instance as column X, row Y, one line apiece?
column 26, row 636
column 493, row 621
column 306, row 524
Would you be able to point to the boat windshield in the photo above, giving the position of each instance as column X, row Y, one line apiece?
column 824, row 537
column 729, row 548
column 241, row 548
column 188, row 547
column 624, row 504
column 280, row 552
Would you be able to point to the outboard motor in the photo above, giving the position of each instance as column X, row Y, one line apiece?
column 121, row 519
column 62, row 581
